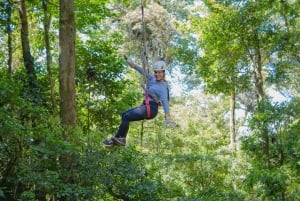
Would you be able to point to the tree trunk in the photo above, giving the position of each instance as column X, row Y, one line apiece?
column 27, row 57
column 9, row 37
column 257, row 70
column 67, row 63
column 232, row 122
column 258, row 81
column 67, row 88
column 47, row 20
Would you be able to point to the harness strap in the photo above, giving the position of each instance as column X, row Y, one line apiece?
column 146, row 102
column 148, row 106
column 158, row 102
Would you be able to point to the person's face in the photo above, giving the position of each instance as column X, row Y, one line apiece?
column 159, row 75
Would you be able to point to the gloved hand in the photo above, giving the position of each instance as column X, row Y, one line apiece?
column 129, row 61
column 169, row 122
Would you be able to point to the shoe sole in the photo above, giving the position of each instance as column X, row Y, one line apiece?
column 115, row 140
column 108, row 145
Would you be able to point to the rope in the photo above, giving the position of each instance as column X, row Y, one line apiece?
column 144, row 65
column 144, row 50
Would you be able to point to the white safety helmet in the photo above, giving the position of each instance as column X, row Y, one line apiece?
column 159, row 65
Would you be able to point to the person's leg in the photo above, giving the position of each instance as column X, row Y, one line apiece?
column 133, row 114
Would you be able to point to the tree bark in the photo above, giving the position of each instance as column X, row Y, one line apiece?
column 27, row 57
column 258, row 78
column 67, row 63
column 67, row 88
column 232, row 122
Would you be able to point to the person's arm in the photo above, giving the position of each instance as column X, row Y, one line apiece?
column 164, row 101
column 138, row 68
column 133, row 65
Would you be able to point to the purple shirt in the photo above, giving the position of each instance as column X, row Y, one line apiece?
column 157, row 90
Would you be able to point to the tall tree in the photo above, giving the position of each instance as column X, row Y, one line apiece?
column 152, row 27
column 221, row 65
column 257, row 31
column 27, row 56
column 67, row 63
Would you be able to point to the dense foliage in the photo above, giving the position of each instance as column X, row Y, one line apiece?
column 245, row 50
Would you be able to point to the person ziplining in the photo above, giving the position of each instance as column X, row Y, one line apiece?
column 155, row 94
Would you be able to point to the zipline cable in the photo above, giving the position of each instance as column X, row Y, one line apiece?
column 144, row 50
column 145, row 66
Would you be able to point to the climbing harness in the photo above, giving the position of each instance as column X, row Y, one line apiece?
column 146, row 102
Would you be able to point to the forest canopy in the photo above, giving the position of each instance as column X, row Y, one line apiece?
column 233, row 69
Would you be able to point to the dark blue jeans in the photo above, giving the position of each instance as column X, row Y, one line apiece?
column 135, row 114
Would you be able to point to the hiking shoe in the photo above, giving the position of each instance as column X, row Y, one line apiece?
column 119, row 140
column 108, row 142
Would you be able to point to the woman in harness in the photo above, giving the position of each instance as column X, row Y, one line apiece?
column 156, row 94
